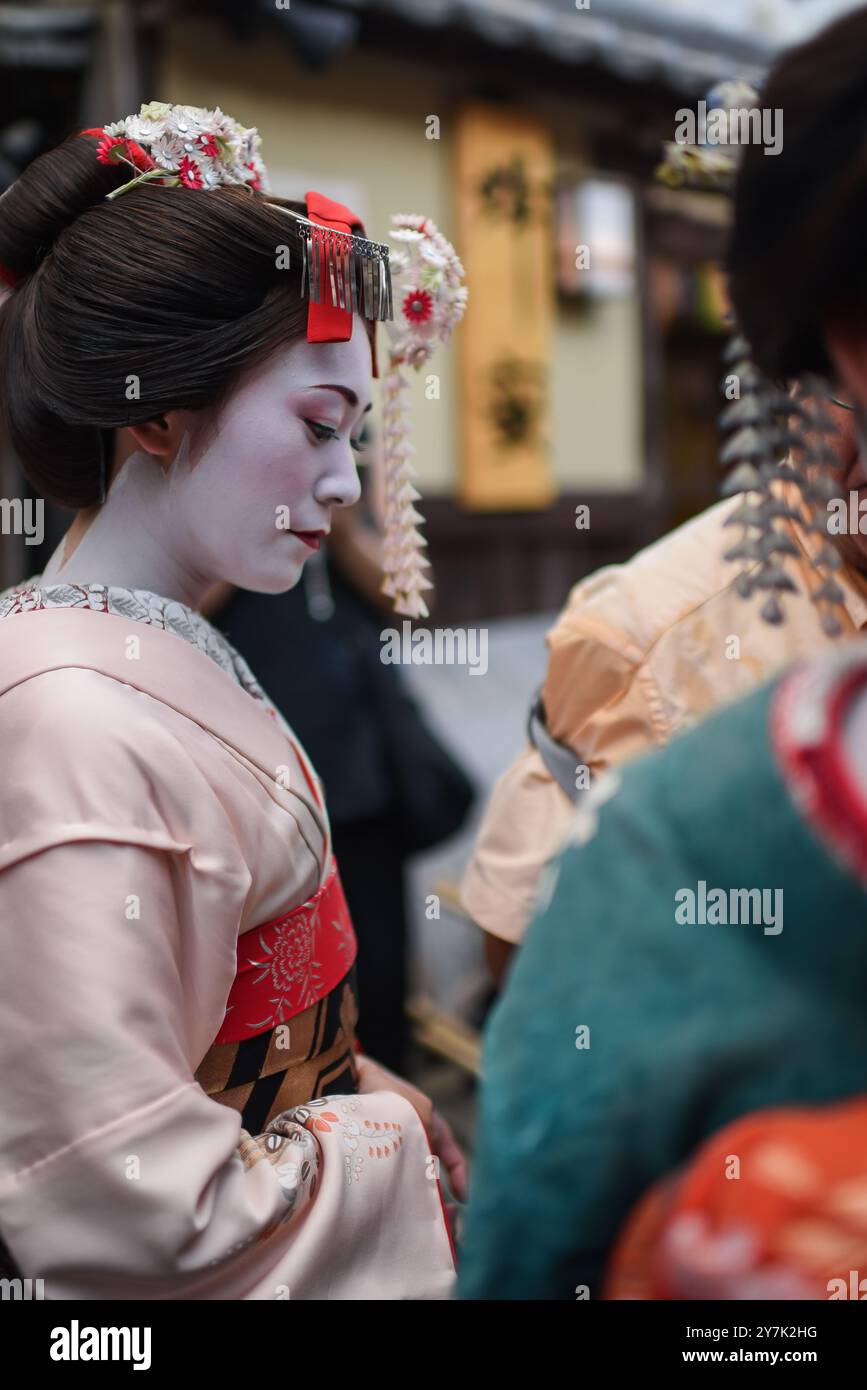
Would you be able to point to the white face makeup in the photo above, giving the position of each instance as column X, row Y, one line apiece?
column 281, row 461
column 259, row 495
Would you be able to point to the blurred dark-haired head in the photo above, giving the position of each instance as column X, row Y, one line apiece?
column 797, row 257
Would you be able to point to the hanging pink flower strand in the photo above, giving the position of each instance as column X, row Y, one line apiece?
column 426, row 270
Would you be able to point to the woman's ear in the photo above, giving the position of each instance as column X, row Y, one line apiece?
column 846, row 346
column 161, row 436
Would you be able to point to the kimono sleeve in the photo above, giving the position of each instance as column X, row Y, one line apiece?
column 599, row 695
column 524, row 822
column 121, row 1179
column 117, row 1171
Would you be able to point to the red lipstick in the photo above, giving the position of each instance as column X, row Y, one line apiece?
column 311, row 538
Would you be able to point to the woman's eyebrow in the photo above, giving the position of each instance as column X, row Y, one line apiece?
column 344, row 391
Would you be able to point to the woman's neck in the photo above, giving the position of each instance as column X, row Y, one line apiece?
column 129, row 541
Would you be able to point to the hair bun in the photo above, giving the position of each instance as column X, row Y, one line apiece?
column 178, row 290
column 47, row 197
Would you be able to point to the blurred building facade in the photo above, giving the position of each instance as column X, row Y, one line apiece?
column 384, row 105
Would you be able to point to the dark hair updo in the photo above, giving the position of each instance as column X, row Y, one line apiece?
column 799, row 244
column 179, row 288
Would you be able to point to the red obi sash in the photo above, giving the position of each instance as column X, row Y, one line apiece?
column 289, row 964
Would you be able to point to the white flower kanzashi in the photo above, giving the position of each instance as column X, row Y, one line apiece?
column 186, row 121
column 138, row 128
column 155, row 110
column 188, row 145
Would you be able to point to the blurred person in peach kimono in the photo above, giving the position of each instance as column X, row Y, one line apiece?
column 187, row 1111
column 641, row 652
column 644, row 650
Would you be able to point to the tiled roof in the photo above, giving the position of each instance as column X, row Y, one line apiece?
column 671, row 43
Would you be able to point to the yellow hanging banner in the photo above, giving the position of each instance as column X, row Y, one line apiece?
column 504, row 164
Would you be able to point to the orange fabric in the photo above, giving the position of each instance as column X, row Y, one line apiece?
column 800, row 1200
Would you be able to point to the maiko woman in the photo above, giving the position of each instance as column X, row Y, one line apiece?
column 186, row 1113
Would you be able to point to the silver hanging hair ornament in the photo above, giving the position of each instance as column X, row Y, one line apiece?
column 354, row 269
column 764, row 426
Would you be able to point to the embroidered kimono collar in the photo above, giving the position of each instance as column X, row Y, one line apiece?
column 139, row 605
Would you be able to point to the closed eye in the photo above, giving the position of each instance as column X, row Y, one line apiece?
column 324, row 432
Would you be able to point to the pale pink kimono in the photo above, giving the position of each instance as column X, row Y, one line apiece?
column 150, row 810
